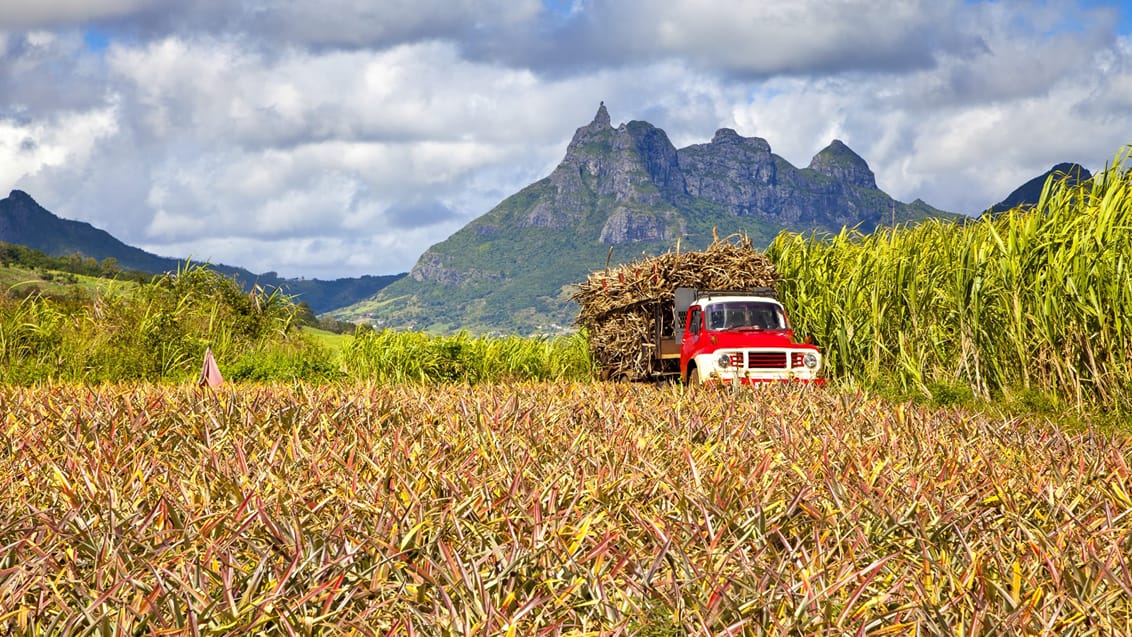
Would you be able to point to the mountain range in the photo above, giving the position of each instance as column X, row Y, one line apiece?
column 620, row 192
column 617, row 194
column 24, row 222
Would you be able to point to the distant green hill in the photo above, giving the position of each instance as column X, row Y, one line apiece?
column 24, row 222
column 618, row 193
column 1030, row 192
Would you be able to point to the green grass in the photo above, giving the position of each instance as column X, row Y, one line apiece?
column 96, row 331
column 20, row 281
column 334, row 342
column 395, row 357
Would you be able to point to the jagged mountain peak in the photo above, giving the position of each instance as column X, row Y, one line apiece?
column 599, row 126
column 601, row 118
column 630, row 169
column 726, row 136
column 840, row 162
column 729, row 137
column 593, row 137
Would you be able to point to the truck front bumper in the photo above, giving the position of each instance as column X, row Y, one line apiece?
column 755, row 380
column 711, row 372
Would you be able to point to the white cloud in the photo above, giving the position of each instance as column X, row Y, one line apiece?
column 231, row 93
column 246, row 145
column 292, row 136
column 172, row 224
column 26, row 149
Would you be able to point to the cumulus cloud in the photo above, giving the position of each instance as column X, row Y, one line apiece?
column 27, row 149
column 322, row 145
column 327, row 24
column 343, row 138
column 45, row 73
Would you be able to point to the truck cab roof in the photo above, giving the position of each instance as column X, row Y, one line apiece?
column 730, row 298
column 687, row 297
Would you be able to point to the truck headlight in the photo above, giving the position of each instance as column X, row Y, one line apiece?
column 810, row 360
column 724, row 361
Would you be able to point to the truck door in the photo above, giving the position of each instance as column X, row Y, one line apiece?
column 694, row 325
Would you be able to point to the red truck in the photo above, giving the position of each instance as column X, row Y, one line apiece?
column 732, row 336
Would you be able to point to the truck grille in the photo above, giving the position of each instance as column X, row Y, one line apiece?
column 766, row 360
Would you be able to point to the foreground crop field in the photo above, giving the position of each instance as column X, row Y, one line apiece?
column 551, row 509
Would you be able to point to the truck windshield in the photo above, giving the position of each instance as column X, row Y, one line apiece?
column 753, row 315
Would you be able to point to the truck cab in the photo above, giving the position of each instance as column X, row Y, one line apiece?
column 740, row 336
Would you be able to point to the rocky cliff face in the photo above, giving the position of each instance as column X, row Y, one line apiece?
column 619, row 192
column 842, row 164
column 737, row 172
column 745, row 177
column 638, row 183
column 630, row 172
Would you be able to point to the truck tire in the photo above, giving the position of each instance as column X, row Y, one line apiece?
column 694, row 377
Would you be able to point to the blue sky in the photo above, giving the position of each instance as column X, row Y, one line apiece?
column 1122, row 9
column 343, row 137
column 96, row 39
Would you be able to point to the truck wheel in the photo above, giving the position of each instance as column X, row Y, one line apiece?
column 694, row 377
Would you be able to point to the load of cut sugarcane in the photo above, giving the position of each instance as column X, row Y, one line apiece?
column 618, row 305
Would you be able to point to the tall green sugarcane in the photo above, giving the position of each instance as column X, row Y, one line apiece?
column 1033, row 298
